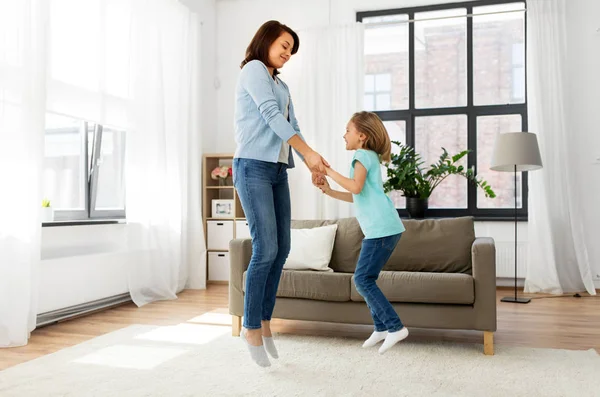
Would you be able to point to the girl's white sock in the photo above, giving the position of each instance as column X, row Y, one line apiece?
column 392, row 338
column 375, row 338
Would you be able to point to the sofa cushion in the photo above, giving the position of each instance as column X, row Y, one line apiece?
column 311, row 248
column 434, row 245
column 348, row 240
column 415, row 287
column 308, row 284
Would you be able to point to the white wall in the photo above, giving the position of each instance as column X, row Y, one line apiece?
column 81, row 264
column 207, row 13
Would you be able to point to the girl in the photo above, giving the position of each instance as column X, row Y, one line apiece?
column 377, row 217
column 265, row 130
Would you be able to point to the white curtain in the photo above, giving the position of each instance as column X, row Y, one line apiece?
column 558, row 258
column 133, row 64
column 326, row 80
column 163, row 153
column 89, row 71
column 23, row 26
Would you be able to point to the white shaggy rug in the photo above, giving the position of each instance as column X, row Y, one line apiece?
column 204, row 360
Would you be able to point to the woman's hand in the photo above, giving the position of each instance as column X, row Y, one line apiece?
column 315, row 162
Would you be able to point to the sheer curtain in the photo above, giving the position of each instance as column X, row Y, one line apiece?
column 133, row 65
column 326, row 79
column 23, row 52
column 89, row 70
column 558, row 257
column 163, row 152
column 129, row 64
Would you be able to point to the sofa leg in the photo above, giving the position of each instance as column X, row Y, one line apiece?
column 488, row 343
column 236, row 325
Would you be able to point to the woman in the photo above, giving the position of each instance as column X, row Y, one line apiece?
column 265, row 129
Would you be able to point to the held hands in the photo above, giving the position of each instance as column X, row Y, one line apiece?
column 320, row 181
column 319, row 167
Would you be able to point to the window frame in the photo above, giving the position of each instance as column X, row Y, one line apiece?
column 470, row 110
column 517, row 65
column 89, row 178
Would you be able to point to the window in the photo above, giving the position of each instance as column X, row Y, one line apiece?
column 456, row 82
column 518, row 72
column 89, row 78
column 378, row 91
column 83, row 176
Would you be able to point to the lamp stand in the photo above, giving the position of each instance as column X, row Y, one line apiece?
column 515, row 299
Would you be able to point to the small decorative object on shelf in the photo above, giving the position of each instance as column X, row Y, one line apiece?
column 222, row 208
column 224, row 174
column 47, row 211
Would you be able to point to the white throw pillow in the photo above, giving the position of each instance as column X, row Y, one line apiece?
column 311, row 249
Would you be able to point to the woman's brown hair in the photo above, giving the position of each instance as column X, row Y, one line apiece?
column 262, row 40
column 378, row 139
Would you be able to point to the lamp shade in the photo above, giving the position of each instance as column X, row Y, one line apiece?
column 516, row 149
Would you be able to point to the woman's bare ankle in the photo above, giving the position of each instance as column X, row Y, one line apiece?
column 266, row 329
column 254, row 336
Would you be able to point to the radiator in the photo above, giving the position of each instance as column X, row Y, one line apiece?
column 79, row 310
column 505, row 259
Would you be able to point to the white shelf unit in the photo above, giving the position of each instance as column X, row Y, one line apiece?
column 219, row 231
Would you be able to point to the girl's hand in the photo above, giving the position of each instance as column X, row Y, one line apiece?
column 321, row 182
column 317, row 178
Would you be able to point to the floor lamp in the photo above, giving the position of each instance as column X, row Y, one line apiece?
column 516, row 152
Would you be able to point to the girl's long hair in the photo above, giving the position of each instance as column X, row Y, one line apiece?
column 378, row 139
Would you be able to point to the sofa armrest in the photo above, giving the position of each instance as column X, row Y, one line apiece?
column 483, row 256
column 240, row 252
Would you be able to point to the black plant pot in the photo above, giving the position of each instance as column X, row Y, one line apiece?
column 416, row 207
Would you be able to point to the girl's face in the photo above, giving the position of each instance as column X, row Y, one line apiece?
column 281, row 50
column 354, row 139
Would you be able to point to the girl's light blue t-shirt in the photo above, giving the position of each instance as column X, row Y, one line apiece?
column 375, row 211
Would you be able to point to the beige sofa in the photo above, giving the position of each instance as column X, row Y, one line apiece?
column 439, row 276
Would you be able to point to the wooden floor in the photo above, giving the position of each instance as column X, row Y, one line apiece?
column 565, row 323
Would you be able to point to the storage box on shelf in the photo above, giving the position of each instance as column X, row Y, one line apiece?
column 221, row 224
column 218, row 266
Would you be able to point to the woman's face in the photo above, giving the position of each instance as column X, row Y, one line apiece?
column 281, row 50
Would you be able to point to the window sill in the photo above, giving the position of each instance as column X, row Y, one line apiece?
column 86, row 222
column 475, row 218
column 500, row 219
column 486, row 216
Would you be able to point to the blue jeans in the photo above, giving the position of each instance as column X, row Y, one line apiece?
column 373, row 256
column 265, row 195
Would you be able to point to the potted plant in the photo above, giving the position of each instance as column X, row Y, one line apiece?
column 47, row 211
column 223, row 174
column 406, row 174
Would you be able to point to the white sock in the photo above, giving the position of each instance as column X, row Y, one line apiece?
column 258, row 353
column 392, row 338
column 270, row 346
column 375, row 338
